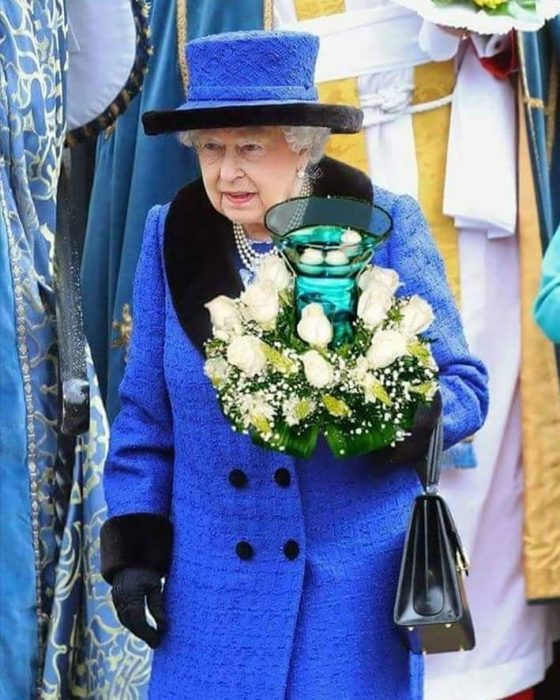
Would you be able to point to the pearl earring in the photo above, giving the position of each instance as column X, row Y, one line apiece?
column 300, row 172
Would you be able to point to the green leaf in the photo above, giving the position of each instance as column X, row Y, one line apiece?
column 304, row 408
column 527, row 4
column 418, row 350
column 378, row 390
column 336, row 407
column 278, row 360
column 423, row 389
column 290, row 441
column 261, row 424
column 344, row 444
column 214, row 346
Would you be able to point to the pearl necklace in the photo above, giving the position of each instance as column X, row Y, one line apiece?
column 250, row 258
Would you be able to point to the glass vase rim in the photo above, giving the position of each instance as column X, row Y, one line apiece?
column 360, row 229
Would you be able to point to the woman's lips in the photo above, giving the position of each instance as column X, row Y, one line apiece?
column 238, row 198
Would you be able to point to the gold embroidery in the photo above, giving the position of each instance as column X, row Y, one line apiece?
column 551, row 112
column 308, row 9
column 350, row 148
column 30, row 410
column 268, row 14
column 124, row 330
column 535, row 103
column 108, row 132
column 181, row 16
column 431, row 135
column 540, row 405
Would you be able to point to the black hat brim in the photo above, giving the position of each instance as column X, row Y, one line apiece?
column 340, row 119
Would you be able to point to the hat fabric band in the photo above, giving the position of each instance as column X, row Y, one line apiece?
column 252, row 93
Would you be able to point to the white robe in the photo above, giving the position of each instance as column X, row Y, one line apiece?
column 380, row 43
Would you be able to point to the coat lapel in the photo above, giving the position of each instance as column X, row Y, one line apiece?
column 199, row 249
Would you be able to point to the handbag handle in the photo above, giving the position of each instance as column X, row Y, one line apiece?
column 430, row 467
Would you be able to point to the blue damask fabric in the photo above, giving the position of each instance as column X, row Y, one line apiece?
column 32, row 55
column 58, row 629
column 89, row 654
column 18, row 642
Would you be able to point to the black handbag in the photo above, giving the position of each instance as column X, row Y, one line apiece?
column 431, row 606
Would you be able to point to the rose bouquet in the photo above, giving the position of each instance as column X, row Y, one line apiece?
column 282, row 378
column 486, row 16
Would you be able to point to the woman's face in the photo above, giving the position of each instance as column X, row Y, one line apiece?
column 248, row 170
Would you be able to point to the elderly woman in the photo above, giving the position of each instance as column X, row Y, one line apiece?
column 280, row 574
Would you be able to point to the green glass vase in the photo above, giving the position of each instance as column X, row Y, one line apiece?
column 327, row 242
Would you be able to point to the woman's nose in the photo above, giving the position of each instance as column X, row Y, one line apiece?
column 229, row 167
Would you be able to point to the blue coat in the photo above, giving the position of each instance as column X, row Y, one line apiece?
column 283, row 572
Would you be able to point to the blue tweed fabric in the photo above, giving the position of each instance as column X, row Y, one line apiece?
column 316, row 627
column 255, row 67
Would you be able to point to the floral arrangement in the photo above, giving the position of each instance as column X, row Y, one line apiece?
column 486, row 16
column 279, row 380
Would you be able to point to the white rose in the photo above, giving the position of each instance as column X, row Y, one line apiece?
column 246, row 353
column 225, row 317
column 217, row 370
column 261, row 303
column 311, row 256
column 374, row 303
column 417, row 316
column 382, row 275
column 385, row 348
column 274, row 269
column 350, row 236
column 318, row 372
column 336, row 257
column 314, row 327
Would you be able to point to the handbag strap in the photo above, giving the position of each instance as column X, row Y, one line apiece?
column 430, row 467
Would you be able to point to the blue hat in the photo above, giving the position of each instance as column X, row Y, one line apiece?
column 253, row 78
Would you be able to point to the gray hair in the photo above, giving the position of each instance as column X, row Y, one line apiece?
column 298, row 138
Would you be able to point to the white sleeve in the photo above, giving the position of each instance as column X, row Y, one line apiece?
column 442, row 45
column 439, row 44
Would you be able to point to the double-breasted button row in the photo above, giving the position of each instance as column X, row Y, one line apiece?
column 291, row 549
column 245, row 550
column 239, row 480
column 282, row 477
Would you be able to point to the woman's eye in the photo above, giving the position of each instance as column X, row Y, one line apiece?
column 252, row 148
column 211, row 147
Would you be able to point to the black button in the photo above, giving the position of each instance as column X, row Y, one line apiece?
column 282, row 477
column 291, row 549
column 244, row 550
column 238, row 478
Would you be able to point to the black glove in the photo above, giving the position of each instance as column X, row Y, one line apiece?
column 414, row 447
column 131, row 587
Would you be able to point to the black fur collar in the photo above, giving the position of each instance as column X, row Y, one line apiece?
column 199, row 249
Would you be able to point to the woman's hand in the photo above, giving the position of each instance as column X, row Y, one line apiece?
column 131, row 587
column 414, row 447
